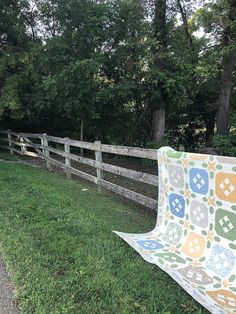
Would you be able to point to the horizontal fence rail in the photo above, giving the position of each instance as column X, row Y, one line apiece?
column 20, row 143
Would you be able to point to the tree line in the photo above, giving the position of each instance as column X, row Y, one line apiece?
column 132, row 72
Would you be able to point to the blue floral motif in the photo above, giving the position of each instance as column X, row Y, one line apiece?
column 221, row 261
column 199, row 181
column 177, row 205
column 150, row 245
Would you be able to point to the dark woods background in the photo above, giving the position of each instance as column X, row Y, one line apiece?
column 129, row 72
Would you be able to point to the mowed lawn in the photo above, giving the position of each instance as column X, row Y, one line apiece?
column 56, row 239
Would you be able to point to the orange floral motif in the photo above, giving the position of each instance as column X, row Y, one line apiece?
column 225, row 186
column 194, row 245
column 186, row 224
column 211, row 201
column 196, row 263
column 223, row 297
column 187, row 193
column 225, row 283
column 185, row 163
column 166, row 188
column 211, row 166
column 172, row 248
column 210, row 236
column 167, row 215
column 198, row 157
column 161, row 160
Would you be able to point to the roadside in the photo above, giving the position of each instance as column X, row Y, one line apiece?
column 7, row 305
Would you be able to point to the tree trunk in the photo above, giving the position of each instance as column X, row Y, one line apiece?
column 160, row 33
column 226, row 80
column 160, row 30
column 227, row 74
column 158, row 124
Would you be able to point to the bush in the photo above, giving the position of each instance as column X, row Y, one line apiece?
column 157, row 145
column 154, row 145
column 225, row 144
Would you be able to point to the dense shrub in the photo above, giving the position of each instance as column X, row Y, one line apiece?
column 225, row 144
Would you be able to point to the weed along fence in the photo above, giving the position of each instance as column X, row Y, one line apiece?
column 46, row 147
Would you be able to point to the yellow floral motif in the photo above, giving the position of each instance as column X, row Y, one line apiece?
column 196, row 263
column 186, row 163
column 198, row 157
column 167, row 215
column 211, row 201
column 210, row 236
column 172, row 248
column 194, row 245
column 187, row 193
column 211, row 166
column 166, row 188
column 225, row 283
column 165, row 160
column 186, row 225
column 225, row 186
column 161, row 160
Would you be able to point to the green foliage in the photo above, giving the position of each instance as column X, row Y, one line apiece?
column 225, row 144
column 157, row 145
column 98, row 61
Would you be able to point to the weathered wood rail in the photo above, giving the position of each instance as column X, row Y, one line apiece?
column 20, row 143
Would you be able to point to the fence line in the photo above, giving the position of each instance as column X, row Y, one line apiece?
column 43, row 150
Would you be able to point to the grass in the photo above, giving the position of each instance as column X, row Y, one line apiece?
column 7, row 157
column 57, row 241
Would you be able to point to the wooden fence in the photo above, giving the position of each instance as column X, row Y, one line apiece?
column 20, row 142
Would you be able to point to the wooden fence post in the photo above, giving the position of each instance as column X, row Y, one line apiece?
column 22, row 147
column 46, row 152
column 98, row 157
column 42, row 143
column 9, row 142
column 67, row 160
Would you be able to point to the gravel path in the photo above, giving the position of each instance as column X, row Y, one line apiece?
column 7, row 306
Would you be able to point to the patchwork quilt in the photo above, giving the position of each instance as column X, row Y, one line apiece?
column 194, row 240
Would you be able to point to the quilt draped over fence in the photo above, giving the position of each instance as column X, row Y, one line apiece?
column 194, row 240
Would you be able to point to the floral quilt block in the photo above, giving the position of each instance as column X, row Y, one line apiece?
column 194, row 240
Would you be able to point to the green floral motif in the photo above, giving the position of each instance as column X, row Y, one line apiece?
column 173, row 154
column 171, row 257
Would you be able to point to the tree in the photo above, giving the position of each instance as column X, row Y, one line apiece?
column 160, row 34
column 228, row 63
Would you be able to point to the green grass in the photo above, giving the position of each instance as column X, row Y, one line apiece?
column 57, row 241
column 7, row 157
